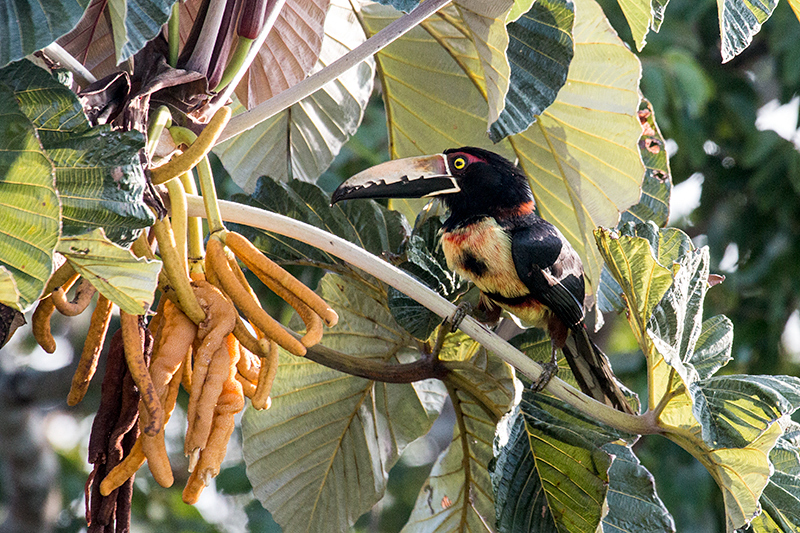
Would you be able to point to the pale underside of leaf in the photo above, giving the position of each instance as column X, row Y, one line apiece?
column 319, row 457
column 458, row 494
column 302, row 141
column 128, row 281
column 103, row 39
column 739, row 21
column 639, row 16
column 486, row 23
column 288, row 54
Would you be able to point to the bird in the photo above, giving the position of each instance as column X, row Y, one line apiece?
column 494, row 238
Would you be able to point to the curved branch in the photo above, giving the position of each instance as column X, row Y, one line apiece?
column 424, row 368
column 400, row 280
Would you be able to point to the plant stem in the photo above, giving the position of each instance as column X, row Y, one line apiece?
column 209, row 192
column 310, row 85
column 173, row 33
column 194, row 225
column 81, row 73
column 177, row 201
column 272, row 13
column 235, row 63
column 158, row 121
column 282, row 225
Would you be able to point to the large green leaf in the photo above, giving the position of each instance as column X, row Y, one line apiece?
column 730, row 427
column 485, row 23
column 319, row 457
column 553, row 475
column 734, row 410
column 633, row 504
column 780, row 500
column 739, row 21
column 29, row 208
column 98, row 174
column 301, row 141
column 581, row 154
column 458, row 494
column 366, row 224
column 640, row 277
column 123, row 278
column 537, row 72
column 27, row 26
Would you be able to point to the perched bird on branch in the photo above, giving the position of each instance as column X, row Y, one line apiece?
column 494, row 238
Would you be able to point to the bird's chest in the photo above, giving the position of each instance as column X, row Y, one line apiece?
column 481, row 252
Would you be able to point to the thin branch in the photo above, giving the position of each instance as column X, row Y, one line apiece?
column 360, row 258
column 310, row 85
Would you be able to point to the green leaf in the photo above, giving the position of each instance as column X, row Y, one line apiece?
column 641, row 16
column 539, row 51
column 458, row 494
column 123, row 278
column 424, row 259
column 780, row 500
column 27, row 26
column 559, row 474
column 29, row 208
column 98, row 174
column 657, row 185
column 581, row 155
column 642, row 279
column 486, row 24
column 795, row 4
column 304, row 139
column 734, row 410
column 117, row 9
column 739, row 21
column 713, row 348
column 319, row 457
column 633, row 504
column 366, row 224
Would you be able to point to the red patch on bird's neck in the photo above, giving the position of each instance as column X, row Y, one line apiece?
column 521, row 210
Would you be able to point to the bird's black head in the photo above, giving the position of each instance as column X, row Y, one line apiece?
column 471, row 182
column 490, row 184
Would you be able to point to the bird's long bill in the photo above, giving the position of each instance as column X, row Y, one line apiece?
column 412, row 177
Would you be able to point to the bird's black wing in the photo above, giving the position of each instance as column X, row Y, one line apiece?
column 550, row 268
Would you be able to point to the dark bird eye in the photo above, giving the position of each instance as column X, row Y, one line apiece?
column 459, row 163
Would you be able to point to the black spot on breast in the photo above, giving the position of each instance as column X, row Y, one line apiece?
column 473, row 265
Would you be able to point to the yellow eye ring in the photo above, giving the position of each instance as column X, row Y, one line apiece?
column 459, row 163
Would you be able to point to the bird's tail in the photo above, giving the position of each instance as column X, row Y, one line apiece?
column 593, row 371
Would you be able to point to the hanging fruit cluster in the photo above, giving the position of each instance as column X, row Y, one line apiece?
column 196, row 339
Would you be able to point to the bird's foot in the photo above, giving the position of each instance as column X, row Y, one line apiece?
column 549, row 370
column 463, row 309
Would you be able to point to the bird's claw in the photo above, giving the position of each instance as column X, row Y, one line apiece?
column 463, row 309
column 549, row 370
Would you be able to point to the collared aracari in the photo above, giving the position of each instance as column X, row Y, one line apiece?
column 494, row 238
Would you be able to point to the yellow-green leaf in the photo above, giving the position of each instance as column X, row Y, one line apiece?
column 319, row 457
column 643, row 280
column 639, row 16
column 29, row 208
column 126, row 280
column 486, row 22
